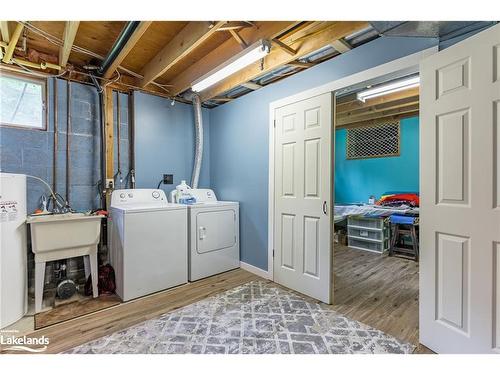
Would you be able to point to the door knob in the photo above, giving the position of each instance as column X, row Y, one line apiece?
column 324, row 208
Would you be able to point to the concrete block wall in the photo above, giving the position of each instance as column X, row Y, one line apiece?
column 30, row 151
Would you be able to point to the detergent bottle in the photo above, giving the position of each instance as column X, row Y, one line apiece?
column 181, row 194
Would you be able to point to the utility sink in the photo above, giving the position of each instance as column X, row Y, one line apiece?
column 62, row 236
column 64, row 232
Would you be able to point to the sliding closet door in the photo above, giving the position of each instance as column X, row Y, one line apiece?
column 460, row 197
column 303, row 197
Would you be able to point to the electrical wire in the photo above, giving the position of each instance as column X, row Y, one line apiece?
column 57, row 41
column 44, row 182
column 117, row 79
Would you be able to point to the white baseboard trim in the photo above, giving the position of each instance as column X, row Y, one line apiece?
column 256, row 270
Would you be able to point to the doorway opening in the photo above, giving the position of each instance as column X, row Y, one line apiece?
column 376, row 204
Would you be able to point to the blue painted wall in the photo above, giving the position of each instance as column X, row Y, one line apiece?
column 31, row 151
column 356, row 180
column 239, row 140
column 164, row 142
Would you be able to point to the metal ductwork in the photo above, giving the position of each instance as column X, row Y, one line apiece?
column 120, row 42
column 198, row 154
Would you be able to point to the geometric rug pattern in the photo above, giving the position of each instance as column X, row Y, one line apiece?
column 255, row 318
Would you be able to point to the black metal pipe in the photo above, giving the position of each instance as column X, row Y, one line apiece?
column 102, row 190
column 131, row 139
column 120, row 42
column 103, row 150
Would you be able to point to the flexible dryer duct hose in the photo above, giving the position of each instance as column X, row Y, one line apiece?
column 198, row 154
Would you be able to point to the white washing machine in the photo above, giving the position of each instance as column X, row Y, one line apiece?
column 148, row 242
column 214, row 235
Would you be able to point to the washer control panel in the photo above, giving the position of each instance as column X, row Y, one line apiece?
column 137, row 196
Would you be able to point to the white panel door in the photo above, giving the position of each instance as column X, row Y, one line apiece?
column 303, row 196
column 460, row 197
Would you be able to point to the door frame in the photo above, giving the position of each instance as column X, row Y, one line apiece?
column 407, row 64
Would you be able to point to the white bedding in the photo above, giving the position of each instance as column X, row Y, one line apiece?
column 342, row 211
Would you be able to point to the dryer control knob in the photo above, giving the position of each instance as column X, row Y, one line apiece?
column 122, row 195
column 155, row 194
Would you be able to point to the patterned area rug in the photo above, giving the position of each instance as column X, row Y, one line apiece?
column 258, row 317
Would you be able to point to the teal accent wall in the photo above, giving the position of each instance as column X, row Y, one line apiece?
column 356, row 180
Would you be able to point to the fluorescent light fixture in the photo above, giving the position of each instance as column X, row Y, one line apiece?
column 246, row 57
column 389, row 88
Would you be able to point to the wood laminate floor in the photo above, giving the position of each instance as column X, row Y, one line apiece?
column 77, row 331
column 377, row 290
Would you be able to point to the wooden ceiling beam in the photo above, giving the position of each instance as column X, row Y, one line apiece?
column 265, row 30
column 70, row 30
column 235, row 25
column 377, row 120
column 305, row 30
column 372, row 116
column 190, row 37
column 368, row 108
column 284, row 47
column 4, row 29
column 278, row 57
column 350, row 102
column 238, row 38
column 131, row 43
column 9, row 51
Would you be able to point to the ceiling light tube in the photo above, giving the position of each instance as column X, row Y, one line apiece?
column 246, row 57
column 389, row 88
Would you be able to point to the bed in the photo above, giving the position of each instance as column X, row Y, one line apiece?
column 341, row 211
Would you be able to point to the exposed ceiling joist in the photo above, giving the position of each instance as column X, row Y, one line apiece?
column 351, row 111
column 4, row 29
column 375, row 110
column 343, row 121
column 341, row 46
column 251, row 85
column 377, row 120
column 278, row 57
column 238, row 38
column 131, row 43
column 305, row 29
column 9, row 51
column 190, row 37
column 350, row 102
column 70, row 30
column 235, row 25
column 226, row 50
column 284, row 47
